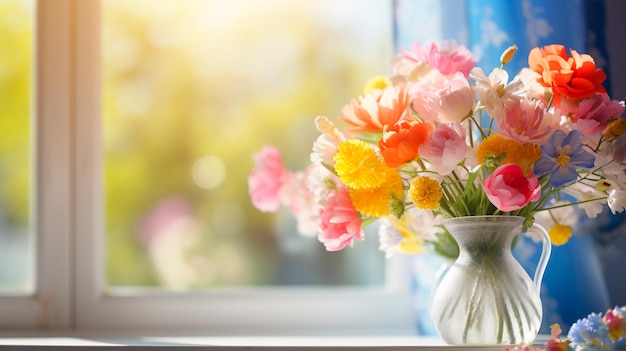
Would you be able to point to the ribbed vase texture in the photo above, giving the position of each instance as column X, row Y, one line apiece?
column 486, row 297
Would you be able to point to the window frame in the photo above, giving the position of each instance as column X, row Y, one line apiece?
column 70, row 224
column 49, row 306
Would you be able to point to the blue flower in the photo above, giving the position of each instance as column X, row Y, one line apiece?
column 562, row 156
column 590, row 333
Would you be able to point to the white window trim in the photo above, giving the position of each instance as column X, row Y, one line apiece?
column 70, row 224
column 50, row 306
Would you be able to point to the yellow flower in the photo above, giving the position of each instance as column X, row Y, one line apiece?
column 377, row 82
column 560, row 234
column 496, row 150
column 425, row 192
column 411, row 242
column 358, row 166
column 525, row 156
column 376, row 202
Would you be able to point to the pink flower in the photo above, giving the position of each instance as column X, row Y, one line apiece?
column 594, row 113
column 527, row 121
column 445, row 147
column 321, row 182
column 340, row 223
column 302, row 201
column 443, row 99
column 509, row 189
column 447, row 57
column 267, row 179
column 325, row 146
column 406, row 71
column 423, row 95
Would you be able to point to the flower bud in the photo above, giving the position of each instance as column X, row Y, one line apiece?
column 615, row 129
column 396, row 206
column 508, row 54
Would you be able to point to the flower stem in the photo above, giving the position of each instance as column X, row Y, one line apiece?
column 570, row 204
column 482, row 133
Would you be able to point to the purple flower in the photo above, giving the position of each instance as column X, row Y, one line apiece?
column 562, row 156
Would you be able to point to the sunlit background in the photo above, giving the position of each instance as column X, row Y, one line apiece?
column 16, row 149
column 191, row 90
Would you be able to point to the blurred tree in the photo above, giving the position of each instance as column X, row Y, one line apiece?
column 16, row 34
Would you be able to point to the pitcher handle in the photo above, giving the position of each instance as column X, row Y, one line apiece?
column 546, row 249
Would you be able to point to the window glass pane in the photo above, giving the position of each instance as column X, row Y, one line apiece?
column 192, row 89
column 16, row 77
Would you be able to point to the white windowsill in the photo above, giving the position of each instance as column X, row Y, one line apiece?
column 219, row 343
column 101, row 341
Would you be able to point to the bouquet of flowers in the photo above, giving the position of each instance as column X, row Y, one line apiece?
column 440, row 138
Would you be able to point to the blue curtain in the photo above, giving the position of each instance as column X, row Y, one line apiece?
column 488, row 27
column 574, row 283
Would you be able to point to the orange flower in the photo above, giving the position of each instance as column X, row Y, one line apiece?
column 401, row 141
column 373, row 111
column 573, row 77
